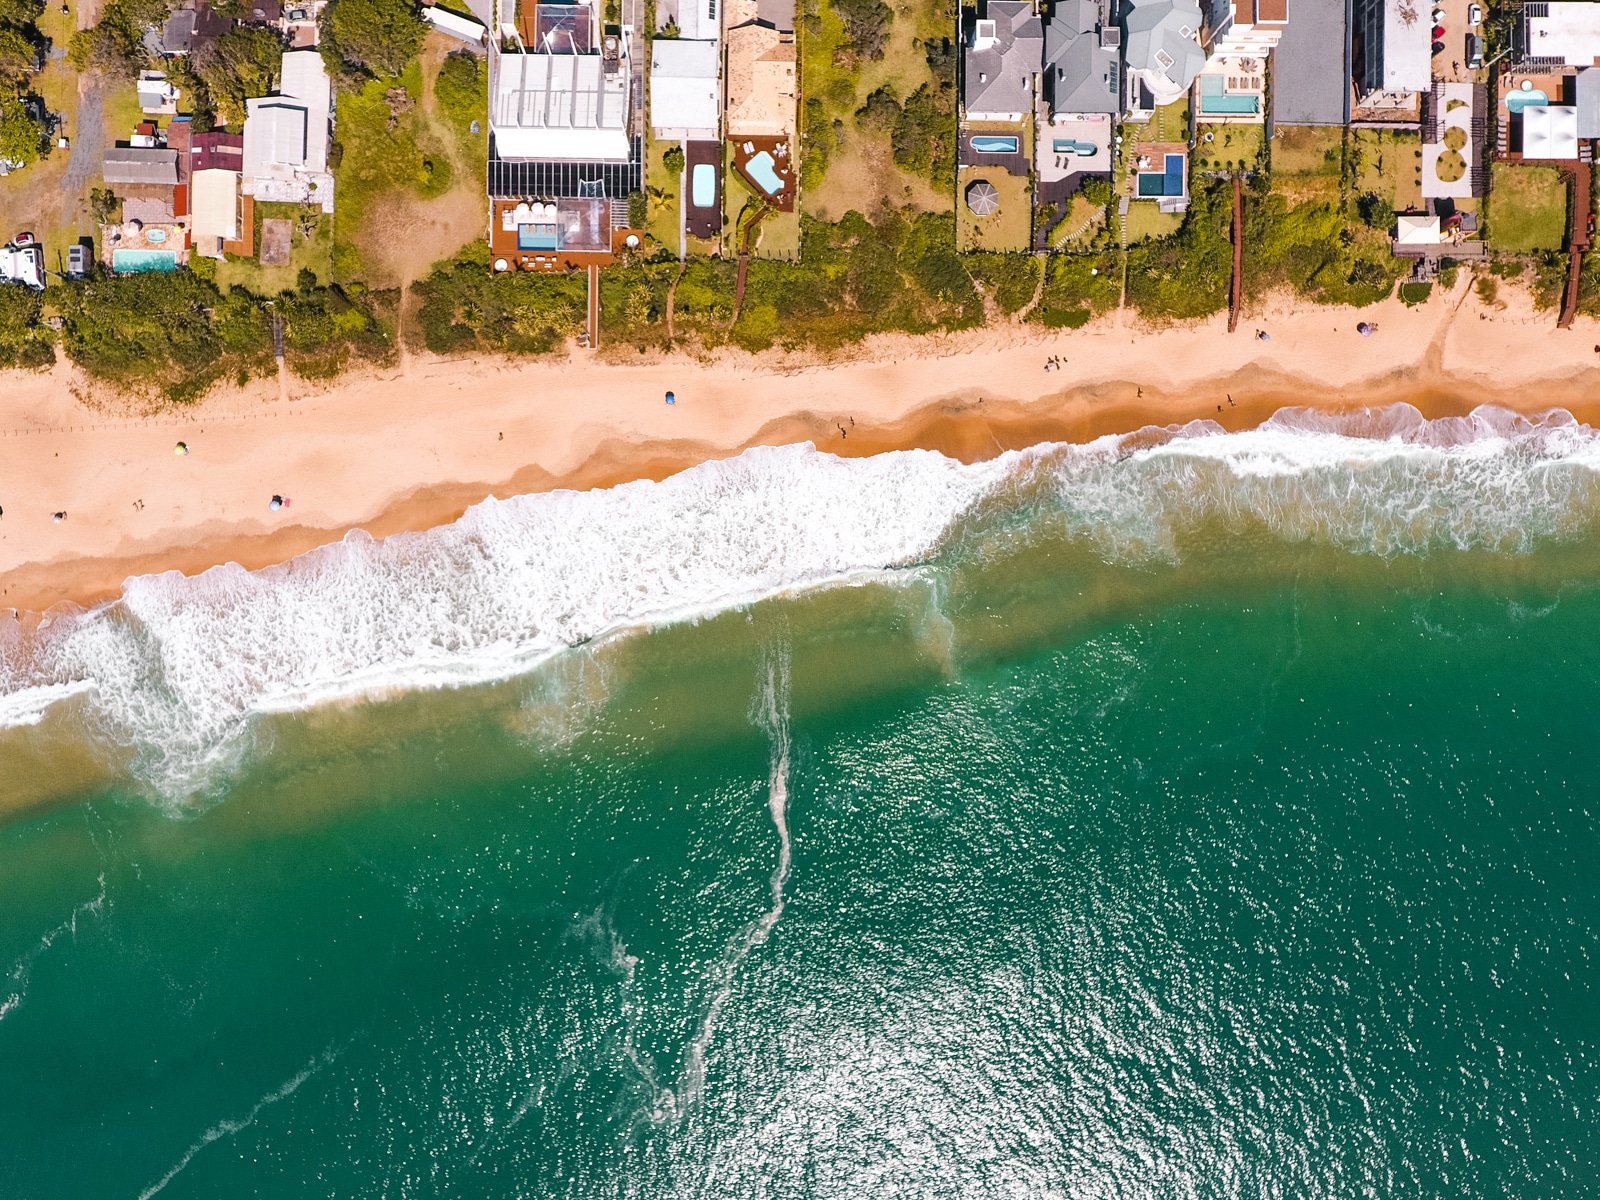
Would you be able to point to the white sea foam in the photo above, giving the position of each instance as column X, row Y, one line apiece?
column 178, row 665
column 177, row 668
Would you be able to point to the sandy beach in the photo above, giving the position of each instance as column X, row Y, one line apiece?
column 412, row 448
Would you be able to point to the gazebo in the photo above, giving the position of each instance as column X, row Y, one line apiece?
column 983, row 198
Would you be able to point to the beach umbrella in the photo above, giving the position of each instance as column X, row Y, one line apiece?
column 1364, row 329
column 671, row 399
column 983, row 198
column 181, row 449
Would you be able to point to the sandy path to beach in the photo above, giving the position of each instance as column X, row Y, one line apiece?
column 411, row 450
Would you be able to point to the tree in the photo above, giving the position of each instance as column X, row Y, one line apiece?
column 1097, row 192
column 19, row 14
column 1376, row 211
column 103, row 205
column 672, row 160
column 375, row 37
column 19, row 57
column 880, row 111
column 246, row 61
column 22, row 135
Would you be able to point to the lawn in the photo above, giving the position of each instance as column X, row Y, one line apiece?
column 1008, row 229
column 1388, row 163
column 311, row 248
column 661, row 189
column 1527, row 208
column 860, row 172
column 1232, row 147
column 1147, row 221
column 1169, row 123
column 1307, row 164
column 1082, row 222
column 408, row 184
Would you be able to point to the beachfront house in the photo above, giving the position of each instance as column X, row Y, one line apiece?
column 686, row 89
column 565, row 135
column 286, row 136
column 1002, row 53
column 1240, row 37
column 1161, row 40
column 1391, row 48
column 150, row 180
column 1080, row 95
column 762, row 106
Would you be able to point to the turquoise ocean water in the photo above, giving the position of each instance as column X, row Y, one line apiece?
column 1187, row 815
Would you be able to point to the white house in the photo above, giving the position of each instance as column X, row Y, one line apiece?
column 685, row 95
column 286, row 136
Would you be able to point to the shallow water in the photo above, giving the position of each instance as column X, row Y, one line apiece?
column 1196, row 817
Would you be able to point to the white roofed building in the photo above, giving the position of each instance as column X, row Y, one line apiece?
column 685, row 91
column 1561, row 33
column 1550, row 133
column 1392, row 51
column 286, row 136
column 559, row 106
column 214, row 216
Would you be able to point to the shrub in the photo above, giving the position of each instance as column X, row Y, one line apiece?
column 370, row 37
column 673, row 161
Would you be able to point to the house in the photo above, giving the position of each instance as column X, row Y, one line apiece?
column 760, row 69
column 1001, row 59
column 694, row 20
column 217, row 214
column 1161, row 40
column 157, row 95
column 1311, row 66
column 286, row 136
column 1081, row 60
column 1240, row 37
column 188, row 29
column 565, row 140
column 685, row 89
column 464, row 29
column 150, row 165
column 1391, row 51
column 1561, row 33
column 1245, row 28
column 1550, row 133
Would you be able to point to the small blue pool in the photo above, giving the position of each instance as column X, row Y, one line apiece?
column 1070, row 146
column 995, row 145
column 703, row 186
column 538, row 237
column 137, row 262
column 1519, row 99
column 764, row 171
column 1168, row 182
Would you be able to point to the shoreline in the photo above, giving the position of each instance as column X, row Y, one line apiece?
column 413, row 449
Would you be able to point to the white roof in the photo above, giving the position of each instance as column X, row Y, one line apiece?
column 445, row 21
column 683, row 87
column 23, row 264
column 289, row 131
column 560, row 106
column 1568, row 30
column 697, row 20
column 1417, row 231
column 1407, row 46
column 214, row 204
column 1550, row 132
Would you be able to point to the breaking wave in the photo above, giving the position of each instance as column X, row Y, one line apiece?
column 177, row 666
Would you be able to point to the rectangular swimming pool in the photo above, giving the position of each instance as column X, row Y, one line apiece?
column 1213, row 100
column 703, row 185
column 135, row 262
column 762, row 169
column 995, row 145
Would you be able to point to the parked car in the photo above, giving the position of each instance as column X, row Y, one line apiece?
column 1474, row 51
column 1438, row 48
column 1474, row 14
column 1438, row 32
column 23, row 239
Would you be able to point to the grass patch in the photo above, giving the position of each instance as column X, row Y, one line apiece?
column 310, row 249
column 1011, row 228
column 1388, row 163
column 1146, row 222
column 1527, row 208
column 1308, row 164
column 1413, row 294
column 661, row 192
column 1232, row 147
column 1076, row 288
column 1186, row 275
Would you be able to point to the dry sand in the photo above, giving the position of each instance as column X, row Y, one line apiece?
column 413, row 448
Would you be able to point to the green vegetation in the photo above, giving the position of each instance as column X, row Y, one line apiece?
column 372, row 39
column 1009, row 279
column 246, row 61
column 176, row 334
column 1413, row 294
column 1312, row 249
column 1388, row 162
column 1308, row 164
column 1231, row 148
column 1011, row 227
column 116, row 44
column 1076, row 288
column 1528, row 208
column 22, row 137
column 1186, row 275
column 310, row 249
column 465, row 308
column 24, row 342
column 1146, row 221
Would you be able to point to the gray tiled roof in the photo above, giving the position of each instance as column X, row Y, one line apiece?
column 1000, row 77
column 1157, row 43
column 1080, row 75
column 134, row 164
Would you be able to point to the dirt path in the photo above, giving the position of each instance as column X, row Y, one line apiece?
column 88, row 146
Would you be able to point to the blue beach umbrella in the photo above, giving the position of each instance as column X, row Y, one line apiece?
column 671, row 399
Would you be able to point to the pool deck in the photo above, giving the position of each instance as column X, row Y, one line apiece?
column 703, row 222
column 1014, row 161
column 746, row 148
column 171, row 236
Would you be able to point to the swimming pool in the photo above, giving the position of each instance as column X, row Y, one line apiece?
column 762, row 169
column 1166, row 182
column 1521, row 98
column 703, row 185
column 136, row 262
column 155, row 236
column 995, row 145
column 1214, row 101
column 1072, row 146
